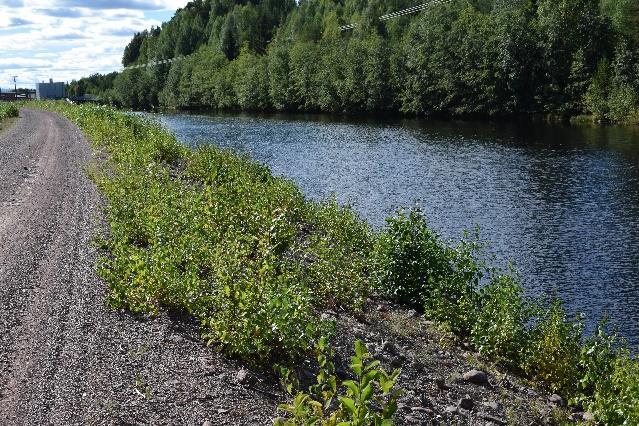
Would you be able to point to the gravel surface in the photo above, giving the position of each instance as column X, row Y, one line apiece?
column 65, row 358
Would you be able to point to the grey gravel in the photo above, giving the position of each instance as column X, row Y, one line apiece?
column 65, row 358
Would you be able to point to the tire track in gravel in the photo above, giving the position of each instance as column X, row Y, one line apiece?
column 65, row 358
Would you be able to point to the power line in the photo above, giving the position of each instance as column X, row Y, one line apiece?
column 408, row 11
column 399, row 13
column 154, row 63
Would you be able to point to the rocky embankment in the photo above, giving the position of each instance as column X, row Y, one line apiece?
column 443, row 381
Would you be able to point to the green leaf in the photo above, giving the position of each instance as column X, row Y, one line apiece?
column 349, row 404
column 386, row 384
column 360, row 349
column 367, row 392
column 370, row 376
column 372, row 365
column 352, row 386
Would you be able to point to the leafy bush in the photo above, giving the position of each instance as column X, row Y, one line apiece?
column 414, row 267
column 409, row 259
column 615, row 400
column 369, row 399
column 8, row 110
column 337, row 254
column 500, row 329
column 552, row 356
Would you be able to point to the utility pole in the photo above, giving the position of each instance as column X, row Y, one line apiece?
column 15, row 85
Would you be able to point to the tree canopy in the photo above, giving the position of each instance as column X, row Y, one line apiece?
column 464, row 57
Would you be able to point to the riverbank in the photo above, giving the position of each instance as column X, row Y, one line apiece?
column 263, row 270
column 363, row 116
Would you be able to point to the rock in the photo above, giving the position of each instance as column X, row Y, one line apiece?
column 477, row 377
column 381, row 308
column 222, row 411
column 492, row 405
column 555, row 399
column 495, row 420
column 207, row 423
column 411, row 419
column 176, row 339
column 243, row 377
column 418, row 366
column 451, row 409
column 412, row 313
column 390, row 348
column 588, row 417
column 531, row 392
column 440, row 382
column 466, row 403
column 421, row 410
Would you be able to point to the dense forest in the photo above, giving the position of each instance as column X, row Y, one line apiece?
column 561, row 58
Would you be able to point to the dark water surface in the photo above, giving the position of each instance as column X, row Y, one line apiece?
column 561, row 202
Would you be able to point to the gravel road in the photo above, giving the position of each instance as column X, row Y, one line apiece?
column 65, row 358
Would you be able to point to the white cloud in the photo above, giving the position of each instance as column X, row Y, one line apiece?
column 70, row 39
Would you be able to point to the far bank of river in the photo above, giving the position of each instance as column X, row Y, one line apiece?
column 561, row 202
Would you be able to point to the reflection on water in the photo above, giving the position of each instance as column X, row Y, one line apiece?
column 561, row 202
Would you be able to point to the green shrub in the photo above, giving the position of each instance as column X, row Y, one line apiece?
column 615, row 401
column 219, row 237
column 609, row 384
column 454, row 298
column 369, row 399
column 409, row 259
column 336, row 255
column 552, row 357
column 500, row 330
column 414, row 267
column 8, row 110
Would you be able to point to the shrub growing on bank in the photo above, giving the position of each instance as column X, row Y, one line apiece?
column 500, row 327
column 414, row 267
column 8, row 110
column 454, row 286
column 218, row 237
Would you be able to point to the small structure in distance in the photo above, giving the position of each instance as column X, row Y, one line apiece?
column 50, row 90
column 21, row 95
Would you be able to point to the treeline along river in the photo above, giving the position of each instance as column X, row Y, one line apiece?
column 560, row 202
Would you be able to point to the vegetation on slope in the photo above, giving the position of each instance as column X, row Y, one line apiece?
column 8, row 110
column 216, row 236
column 466, row 57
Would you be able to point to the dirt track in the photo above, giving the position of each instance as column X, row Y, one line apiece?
column 65, row 358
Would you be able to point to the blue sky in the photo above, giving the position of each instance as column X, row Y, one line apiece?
column 69, row 39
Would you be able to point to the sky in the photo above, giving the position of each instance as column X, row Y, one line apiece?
column 70, row 39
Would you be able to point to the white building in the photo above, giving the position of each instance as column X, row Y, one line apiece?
column 50, row 90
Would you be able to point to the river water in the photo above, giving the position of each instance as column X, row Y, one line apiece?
column 560, row 202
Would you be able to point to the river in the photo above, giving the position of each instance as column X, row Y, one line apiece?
column 561, row 202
